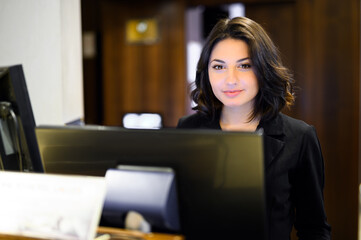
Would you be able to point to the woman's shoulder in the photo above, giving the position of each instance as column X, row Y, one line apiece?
column 294, row 122
column 297, row 127
column 288, row 126
column 195, row 120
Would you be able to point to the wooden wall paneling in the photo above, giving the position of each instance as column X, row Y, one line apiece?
column 133, row 72
column 334, row 87
column 142, row 77
column 333, row 83
column 112, row 39
column 175, row 69
column 153, row 81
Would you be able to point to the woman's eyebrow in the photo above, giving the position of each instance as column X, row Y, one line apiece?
column 217, row 60
column 243, row 59
column 221, row 61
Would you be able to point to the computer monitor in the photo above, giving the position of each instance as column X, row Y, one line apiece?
column 18, row 146
column 220, row 175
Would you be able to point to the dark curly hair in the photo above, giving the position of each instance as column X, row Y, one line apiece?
column 275, row 80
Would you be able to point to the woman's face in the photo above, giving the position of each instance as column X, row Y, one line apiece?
column 232, row 76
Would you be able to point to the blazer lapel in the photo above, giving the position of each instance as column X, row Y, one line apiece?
column 273, row 138
column 272, row 147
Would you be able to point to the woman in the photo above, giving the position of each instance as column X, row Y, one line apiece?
column 241, row 85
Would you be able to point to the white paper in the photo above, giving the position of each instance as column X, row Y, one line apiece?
column 51, row 206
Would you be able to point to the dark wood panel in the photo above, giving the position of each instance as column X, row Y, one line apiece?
column 144, row 77
column 331, row 88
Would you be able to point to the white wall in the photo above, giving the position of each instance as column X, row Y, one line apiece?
column 45, row 37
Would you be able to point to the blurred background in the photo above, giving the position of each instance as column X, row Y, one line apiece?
column 95, row 61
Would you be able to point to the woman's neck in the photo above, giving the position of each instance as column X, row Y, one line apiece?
column 237, row 120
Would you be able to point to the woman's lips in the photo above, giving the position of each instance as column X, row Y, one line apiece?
column 232, row 93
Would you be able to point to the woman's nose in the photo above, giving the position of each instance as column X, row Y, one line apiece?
column 231, row 77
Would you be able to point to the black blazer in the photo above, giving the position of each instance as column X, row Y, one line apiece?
column 294, row 176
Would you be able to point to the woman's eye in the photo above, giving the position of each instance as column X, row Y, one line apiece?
column 218, row 67
column 245, row 66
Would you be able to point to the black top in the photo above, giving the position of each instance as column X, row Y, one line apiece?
column 294, row 176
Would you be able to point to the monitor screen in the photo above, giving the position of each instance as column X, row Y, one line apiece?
column 219, row 175
column 18, row 146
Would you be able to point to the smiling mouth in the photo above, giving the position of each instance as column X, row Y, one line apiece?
column 232, row 93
